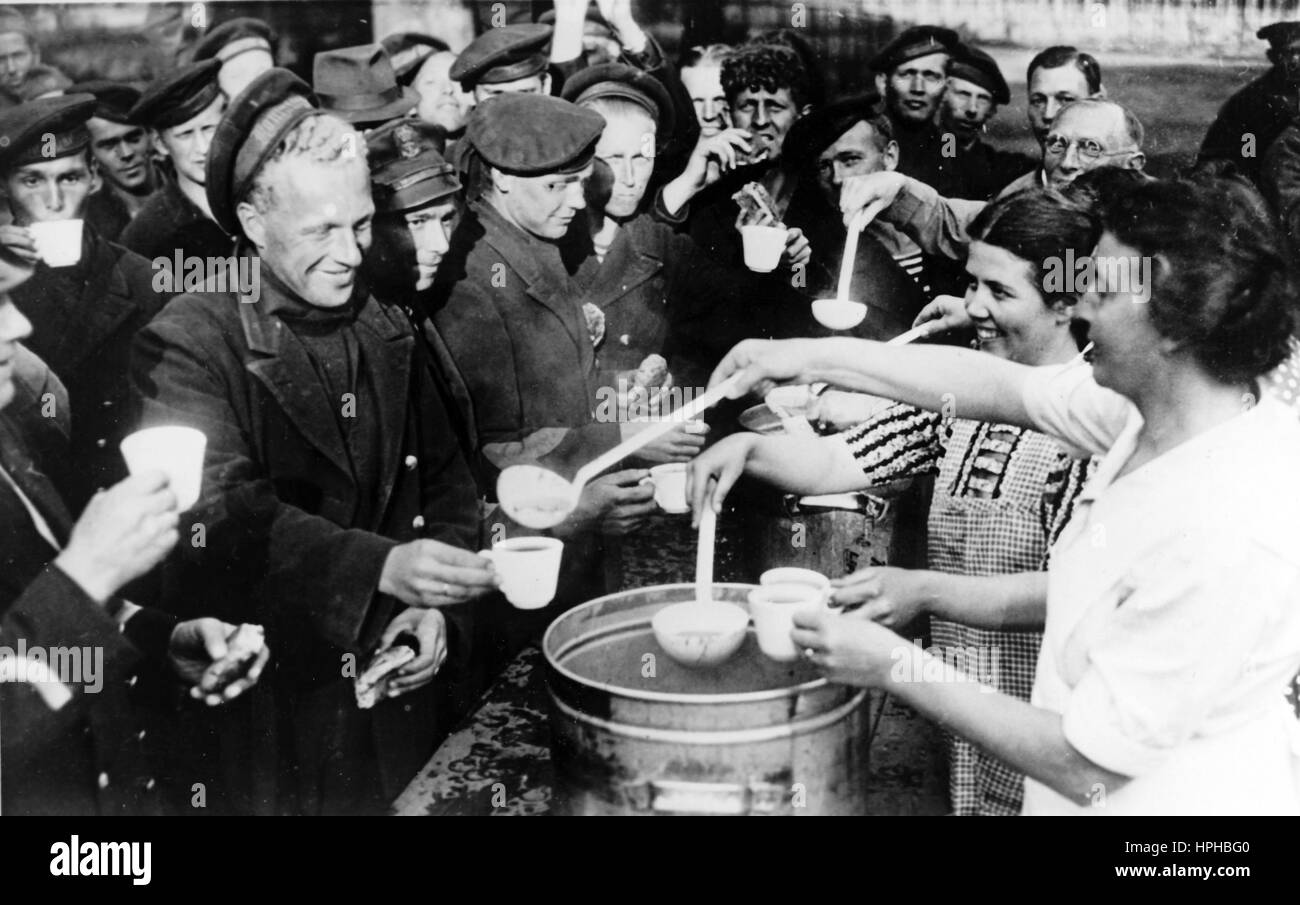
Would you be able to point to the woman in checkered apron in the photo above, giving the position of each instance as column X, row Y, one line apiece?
column 987, row 513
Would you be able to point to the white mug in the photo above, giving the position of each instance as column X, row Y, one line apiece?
column 670, row 487
column 794, row 575
column 773, row 607
column 175, row 451
column 529, row 568
column 763, row 246
column 58, row 242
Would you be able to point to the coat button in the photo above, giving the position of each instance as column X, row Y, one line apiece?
column 141, row 734
column 417, row 522
column 412, row 461
column 101, row 442
column 107, row 403
column 103, row 780
column 130, row 683
column 150, row 783
column 625, row 339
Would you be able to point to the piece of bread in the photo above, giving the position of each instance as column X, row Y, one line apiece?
column 756, row 206
column 372, row 684
column 245, row 644
column 652, row 373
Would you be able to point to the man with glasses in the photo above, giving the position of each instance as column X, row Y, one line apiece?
column 1252, row 119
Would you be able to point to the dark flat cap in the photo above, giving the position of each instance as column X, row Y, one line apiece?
column 25, row 130
column 408, row 50
column 814, row 133
column 179, row 96
column 230, row 39
column 1279, row 34
column 407, row 169
column 253, row 126
column 974, row 65
column 533, row 134
column 917, row 41
column 503, row 55
column 358, row 84
column 113, row 100
column 626, row 82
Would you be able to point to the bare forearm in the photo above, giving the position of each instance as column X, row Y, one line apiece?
column 958, row 383
column 996, row 602
column 1025, row 737
column 803, row 465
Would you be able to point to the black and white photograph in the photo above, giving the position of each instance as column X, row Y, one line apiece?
column 651, row 407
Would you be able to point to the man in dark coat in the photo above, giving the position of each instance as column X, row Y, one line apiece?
column 81, row 744
column 181, row 110
column 975, row 90
column 1253, row 117
column 123, row 151
column 85, row 313
column 337, row 503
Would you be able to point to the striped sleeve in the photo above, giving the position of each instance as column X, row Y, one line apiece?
column 900, row 442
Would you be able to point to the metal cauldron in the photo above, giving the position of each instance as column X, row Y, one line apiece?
column 635, row 733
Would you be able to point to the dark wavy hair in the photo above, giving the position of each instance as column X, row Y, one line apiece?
column 1063, row 55
column 1041, row 226
column 765, row 67
column 1220, row 277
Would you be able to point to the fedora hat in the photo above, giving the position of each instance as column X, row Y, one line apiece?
column 358, row 84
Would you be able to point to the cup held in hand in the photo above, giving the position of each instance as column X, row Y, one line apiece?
column 773, row 607
column 175, row 451
column 58, row 242
column 529, row 569
column 763, row 247
column 670, row 487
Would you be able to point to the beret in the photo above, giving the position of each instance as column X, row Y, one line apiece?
column 974, row 65
column 917, row 41
column 408, row 50
column 113, row 100
column 230, row 39
column 503, row 55
column 252, row 127
column 1279, row 33
column 407, row 169
column 629, row 83
column 533, row 134
column 358, row 84
column 23, row 129
column 179, row 96
column 814, row 133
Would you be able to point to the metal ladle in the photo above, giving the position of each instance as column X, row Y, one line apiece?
column 538, row 498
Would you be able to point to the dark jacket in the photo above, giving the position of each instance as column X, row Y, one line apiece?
column 93, row 754
column 1280, row 182
column 284, row 546
column 169, row 221
column 1250, row 120
column 983, row 170
column 925, row 153
column 107, row 213
column 83, row 319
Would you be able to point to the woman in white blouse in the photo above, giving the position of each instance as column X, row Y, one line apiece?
column 1173, row 597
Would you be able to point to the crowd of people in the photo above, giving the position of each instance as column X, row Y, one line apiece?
column 374, row 292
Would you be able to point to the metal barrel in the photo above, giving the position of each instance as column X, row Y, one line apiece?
column 635, row 733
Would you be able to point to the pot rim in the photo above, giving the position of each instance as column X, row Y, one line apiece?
column 747, row 697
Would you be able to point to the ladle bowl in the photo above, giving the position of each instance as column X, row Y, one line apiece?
column 839, row 314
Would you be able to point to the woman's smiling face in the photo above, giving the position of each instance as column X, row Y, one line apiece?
column 1012, row 319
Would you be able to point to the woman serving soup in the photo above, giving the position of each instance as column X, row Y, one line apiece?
column 1171, row 617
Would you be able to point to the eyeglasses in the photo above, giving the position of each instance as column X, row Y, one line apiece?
column 1088, row 149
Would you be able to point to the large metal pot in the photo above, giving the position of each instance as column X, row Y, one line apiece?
column 635, row 733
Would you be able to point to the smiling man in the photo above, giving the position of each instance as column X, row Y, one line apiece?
column 181, row 110
column 337, row 504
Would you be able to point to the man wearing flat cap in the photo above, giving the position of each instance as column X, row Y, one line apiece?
column 911, row 75
column 1254, row 116
column 86, row 296
column 526, row 345
column 975, row 90
column 505, row 60
column 359, row 86
column 337, row 505
column 244, row 47
column 123, row 151
column 181, row 111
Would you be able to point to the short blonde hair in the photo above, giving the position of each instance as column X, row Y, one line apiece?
column 319, row 138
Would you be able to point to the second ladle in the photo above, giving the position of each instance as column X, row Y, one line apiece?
column 538, row 498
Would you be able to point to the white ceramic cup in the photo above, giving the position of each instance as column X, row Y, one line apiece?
column 175, row 451
column 670, row 487
column 793, row 575
column 763, row 247
column 773, row 607
column 58, row 242
column 529, row 568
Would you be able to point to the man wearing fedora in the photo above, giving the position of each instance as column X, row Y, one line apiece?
column 359, row 86
column 338, row 506
column 181, row 110
column 85, row 304
column 123, row 151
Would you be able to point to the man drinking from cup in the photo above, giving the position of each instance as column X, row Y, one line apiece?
column 336, row 504
column 86, row 296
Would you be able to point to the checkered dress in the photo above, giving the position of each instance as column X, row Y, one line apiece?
column 989, row 516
